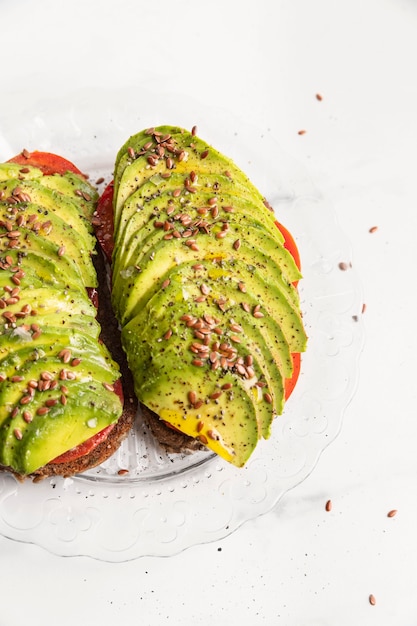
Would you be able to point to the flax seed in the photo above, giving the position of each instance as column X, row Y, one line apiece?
column 27, row 416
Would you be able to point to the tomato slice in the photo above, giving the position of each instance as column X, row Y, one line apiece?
column 48, row 162
column 104, row 230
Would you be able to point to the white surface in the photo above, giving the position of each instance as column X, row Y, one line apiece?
column 298, row 565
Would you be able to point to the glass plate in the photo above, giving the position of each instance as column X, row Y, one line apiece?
column 166, row 503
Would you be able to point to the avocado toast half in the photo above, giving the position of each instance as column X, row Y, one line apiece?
column 61, row 402
column 204, row 288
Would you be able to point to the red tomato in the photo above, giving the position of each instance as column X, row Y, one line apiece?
column 47, row 162
column 104, row 232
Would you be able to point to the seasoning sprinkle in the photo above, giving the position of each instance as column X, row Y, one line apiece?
column 328, row 505
column 392, row 513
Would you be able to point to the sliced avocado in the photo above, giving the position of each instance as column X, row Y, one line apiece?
column 76, row 188
column 175, row 186
column 198, row 257
column 52, row 201
column 236, row 333
column 139, row 212
column 219, row 235
column 53, row 420
column 34, row 230
column 229, row 428
column 198, row 156
column 49, row 334
column 186, row 285
column 133, row 286
column 18, row 171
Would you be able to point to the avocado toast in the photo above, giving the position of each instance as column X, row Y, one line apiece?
column 61, row 401
column 204, row 288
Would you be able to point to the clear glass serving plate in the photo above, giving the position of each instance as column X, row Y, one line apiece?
column 166, row 503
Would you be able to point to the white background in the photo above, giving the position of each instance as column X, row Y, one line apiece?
column 298, row 565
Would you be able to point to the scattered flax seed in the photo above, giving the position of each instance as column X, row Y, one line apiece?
column 268, row 398
column 61, row 251
column 203, row 439
column 328, row 505
column 363, row 308
column 372, row 599
column 343, row 266
column 166, row 283
column 392, row 513
column 373, row 229
column 236, row 244
column 194, row 131
column 26, row 153
column 302, row 132
column 100, row 180
column 168, row 334
column 43, row 410
column 123, row 472
column 319, row 97
column 108, row 387
column 204, row 154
